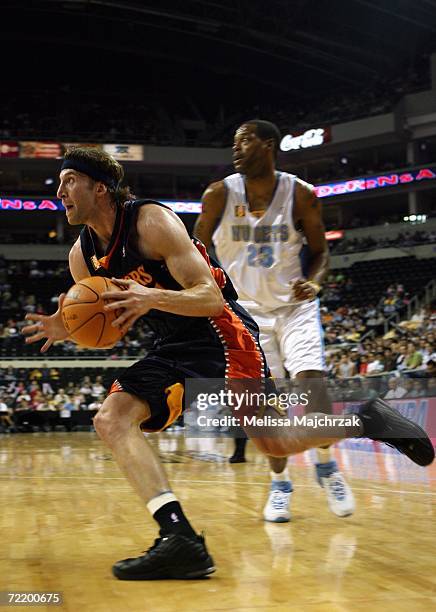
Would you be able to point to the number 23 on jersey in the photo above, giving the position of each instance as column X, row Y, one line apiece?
column 260, row 255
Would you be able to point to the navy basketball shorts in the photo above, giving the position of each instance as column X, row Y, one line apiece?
column 229, row 350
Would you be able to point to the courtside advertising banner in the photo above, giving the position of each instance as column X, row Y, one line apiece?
column 125, row 152
column 36, row 149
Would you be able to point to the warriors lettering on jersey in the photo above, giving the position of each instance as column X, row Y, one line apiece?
column 139, row 274
column 261, row 233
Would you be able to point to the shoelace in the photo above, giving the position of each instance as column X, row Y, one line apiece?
column 336, row 485
column 153, row 548
column 279, row 500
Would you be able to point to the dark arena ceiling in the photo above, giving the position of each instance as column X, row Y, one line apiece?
column 235, row 53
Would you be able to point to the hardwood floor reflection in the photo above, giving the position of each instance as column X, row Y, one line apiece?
column 68, row 514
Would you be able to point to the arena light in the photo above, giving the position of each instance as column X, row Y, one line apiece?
column 334, row 234
column 415, row 218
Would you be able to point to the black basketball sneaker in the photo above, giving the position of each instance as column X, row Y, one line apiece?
column 171, row 556
column 383, row 423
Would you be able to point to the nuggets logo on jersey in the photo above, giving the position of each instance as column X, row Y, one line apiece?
column 261, row 233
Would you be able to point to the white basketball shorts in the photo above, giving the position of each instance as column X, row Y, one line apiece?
column 291, row 337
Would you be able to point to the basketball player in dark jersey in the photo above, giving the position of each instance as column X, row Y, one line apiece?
column 201, row 332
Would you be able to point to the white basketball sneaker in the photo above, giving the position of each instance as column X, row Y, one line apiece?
column 277, row 507
column 340, row 497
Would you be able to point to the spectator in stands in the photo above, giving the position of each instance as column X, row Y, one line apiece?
column 51, row 404
column 86, row 388
column 38, row 400
column 346, row 368
column 375, row 364
column 413, row 357
column 363, row 365
column 330, row 365
column 65, row 415
column 395, row 389
column 68, row 403
column 431, row 368
column 400, row 362
column 407, row 384
column 79, row 399
column 54, row 375
column 35, row 375
column 95, row 405
column 41, row 405
column 418, row 388
column 355, row 359
column 23, row 398
column 61, row 397
column 47, row 389
column 98, row 389
column 427, row 352
column 34, row 391
column 6, row 421
column 388, row 360
column 71, row 388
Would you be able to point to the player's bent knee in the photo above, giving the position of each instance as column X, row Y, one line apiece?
column 118, row 413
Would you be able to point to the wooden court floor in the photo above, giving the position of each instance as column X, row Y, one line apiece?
column 67, row 514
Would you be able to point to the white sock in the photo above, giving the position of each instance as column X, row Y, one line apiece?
column 160, row 500
column 282, row 477
column 324, row 455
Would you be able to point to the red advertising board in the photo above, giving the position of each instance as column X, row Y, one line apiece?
column 8, row 148
column 36, row 149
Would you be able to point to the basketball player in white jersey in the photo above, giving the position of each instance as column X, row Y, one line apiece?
column 252, row 218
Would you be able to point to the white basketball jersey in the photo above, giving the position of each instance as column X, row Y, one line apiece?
column 261, row 255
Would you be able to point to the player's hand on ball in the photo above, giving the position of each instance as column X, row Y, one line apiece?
column 45, row 326
column 134, row 300
column 305, row 290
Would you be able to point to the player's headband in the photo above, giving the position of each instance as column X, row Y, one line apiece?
column 90, row 170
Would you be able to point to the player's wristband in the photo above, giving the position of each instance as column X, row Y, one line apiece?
column 315, row 286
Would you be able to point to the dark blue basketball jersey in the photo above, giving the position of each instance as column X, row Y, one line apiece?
column 123, row 260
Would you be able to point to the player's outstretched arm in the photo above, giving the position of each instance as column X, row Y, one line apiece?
column 51, row 327
column 213, row 204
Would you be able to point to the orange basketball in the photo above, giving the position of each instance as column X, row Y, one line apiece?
column 85, row 319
